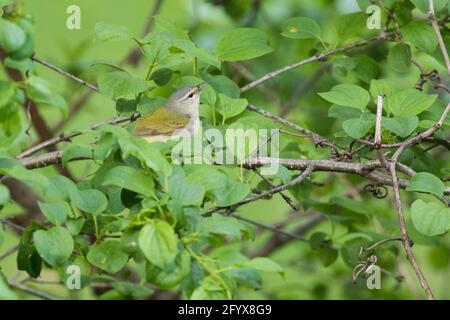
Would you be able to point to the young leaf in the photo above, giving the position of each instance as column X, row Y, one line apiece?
column 427, row 182
column 56, row 212
column 54, row 245
column 430, row 218
column 119, row 84
column 398, row 59
column 229, row 107
column 40, row 91
column 171, row 276
column 105, row 32
column 381, row 87
column 218, row 224
column 402, row 126
column 409, row 102
column 242, row 44
column 12, row 37
column 366, row 68
column 90, row 201
column 184, row 192
column 158, row 241
column 107, row 256
column 421, row 35
column 357, row 128
column 347, row 95
column 130, row 179
column 300, row 28
column 76, row 152
column 423, row 5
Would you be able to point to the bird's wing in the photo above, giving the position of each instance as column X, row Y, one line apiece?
column 161, row 121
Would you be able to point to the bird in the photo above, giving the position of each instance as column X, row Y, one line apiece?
column 178, row 117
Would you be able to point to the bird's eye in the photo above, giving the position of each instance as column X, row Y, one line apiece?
column 191, row 95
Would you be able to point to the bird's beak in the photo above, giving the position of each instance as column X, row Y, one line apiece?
column 201, row 86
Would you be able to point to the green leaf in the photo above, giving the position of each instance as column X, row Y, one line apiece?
column 210, row 289
column 90, row 201
column 54, row 245
column 344, row 113
column 158, row 241
column 162, row 76
column 56, row 212
column 357, row 128
column 173, row 275
column 105, row 32
column 366, row 68
column 60, row 187
column 41, row 92
column 233, row 193
column 184, row 192
column 107, row 256
column 263, row 264
column 300, row 28
column 242, row 44
column 126, row 106
column 76, row 152
column 409, row 102
column 347, row 95
column 398, row 59
column 402, row 126
column 427, row 182
column 4, row 195
column 130, row 179
column 381, row 87
column 12, row 37
column 423, row 5
column 421, row 35
column 229, row 107
column 430, row 218
column 118, row 84
column 219, row 224
column 6, row 92
column 223, row 84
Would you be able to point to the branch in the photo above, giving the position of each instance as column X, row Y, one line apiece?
column 422, row 136
column 437, row 31
column 306, row 172
column 316, row 138
column 318, row 57
column 32, row 291
column 406, row 240
column 68, row 137
column 66, row 74
column 278, row 240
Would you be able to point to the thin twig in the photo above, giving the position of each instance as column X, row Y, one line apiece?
column 407, row 244
column 306, row 172
column 437, row 31
column 66, row 74
column 318, row 57
column 8, row 252
column 62, row 137
column 32, row 291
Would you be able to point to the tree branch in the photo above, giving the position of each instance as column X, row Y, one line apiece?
column 318, row 57
column 437, row 31
column 406, row 240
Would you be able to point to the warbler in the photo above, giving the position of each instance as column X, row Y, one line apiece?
column 179, row 117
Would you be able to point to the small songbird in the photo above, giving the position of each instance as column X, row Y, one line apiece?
column 177, row 118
